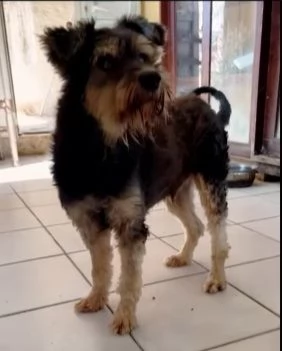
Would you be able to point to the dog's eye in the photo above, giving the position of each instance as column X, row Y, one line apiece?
column 143, row 58
column 105, row 62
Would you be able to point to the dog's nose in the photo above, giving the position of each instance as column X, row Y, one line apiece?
column 150, row 81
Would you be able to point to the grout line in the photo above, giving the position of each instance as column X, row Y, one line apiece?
column 175, row 278
column 37, row 308
column 44, row 205
column 130, row 334
column 56, row 241
column 136, row 342
column 227, row 266
column 80, row 271
column 30, row 260
column 231, row 225
column 252, row 261
column 241, row 291
column 21, row 229
column 30, row 191
column 256, row 220
column 242, row 339
column 254, row 300
column 261, row 234
column 198, row 263
column 40, row 257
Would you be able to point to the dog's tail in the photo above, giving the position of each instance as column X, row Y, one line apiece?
column 224, row 112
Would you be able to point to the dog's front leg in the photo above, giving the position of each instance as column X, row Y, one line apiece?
column 130, row 284
column 97, row 238
column 101, row 255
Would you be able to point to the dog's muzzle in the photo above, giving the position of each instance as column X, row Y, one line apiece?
column 149, row 81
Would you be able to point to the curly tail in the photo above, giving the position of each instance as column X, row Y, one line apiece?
column 224, row 112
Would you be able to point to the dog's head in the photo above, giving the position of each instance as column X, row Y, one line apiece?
column 119, row 70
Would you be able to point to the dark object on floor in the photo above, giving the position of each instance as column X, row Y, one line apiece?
column 241, row 176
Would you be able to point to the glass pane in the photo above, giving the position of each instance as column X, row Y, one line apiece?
column 188, row 40
column 232, row 52
column 36, row 84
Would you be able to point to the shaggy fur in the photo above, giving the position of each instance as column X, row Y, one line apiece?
column 122, row 144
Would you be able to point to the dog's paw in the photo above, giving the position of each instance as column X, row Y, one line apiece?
column 123, row 323
column 176, row 261
column 91, row 303
column 213, row 285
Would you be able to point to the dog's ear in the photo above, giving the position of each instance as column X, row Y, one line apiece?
column 151, row 30
column 160, row 34
column 62, row 44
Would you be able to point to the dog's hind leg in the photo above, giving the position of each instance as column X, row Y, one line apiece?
column 213, row 198
column 181, row 205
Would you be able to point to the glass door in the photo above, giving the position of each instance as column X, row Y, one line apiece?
column 188, row 45
column 218, row 43
column 36, row 85
column 8, row 123
column 232, row 60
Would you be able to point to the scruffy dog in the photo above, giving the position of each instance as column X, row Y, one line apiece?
column 122, row 144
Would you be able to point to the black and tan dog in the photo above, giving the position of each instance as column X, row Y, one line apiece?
column 122, row 144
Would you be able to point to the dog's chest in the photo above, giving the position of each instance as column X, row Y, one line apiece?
column 90, row 168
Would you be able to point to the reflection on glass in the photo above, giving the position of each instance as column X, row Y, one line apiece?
column 188, row 45
column 232, row 53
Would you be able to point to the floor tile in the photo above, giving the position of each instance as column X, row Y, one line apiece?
column 261, row 188
column 246, row 246
column 68, row 237
column 260, row 280
column 32, row 185
column 50, row 214
column 162, row 223
column 10, row 202
column 269, row 227
column 176, row 315
column 17, row 219
column 273, row 197
column 58, row 328
column 5, row 189
column 39, row 198
column 153, row 267
column 37, row 283
column 25, row 245
column 251, row 209
column 266, row 342
column 235, row 193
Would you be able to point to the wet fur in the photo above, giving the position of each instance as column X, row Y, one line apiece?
column 110, row 167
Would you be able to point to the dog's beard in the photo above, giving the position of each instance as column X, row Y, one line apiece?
column 141, row 111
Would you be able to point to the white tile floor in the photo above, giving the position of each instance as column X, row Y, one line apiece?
column 44, row 268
